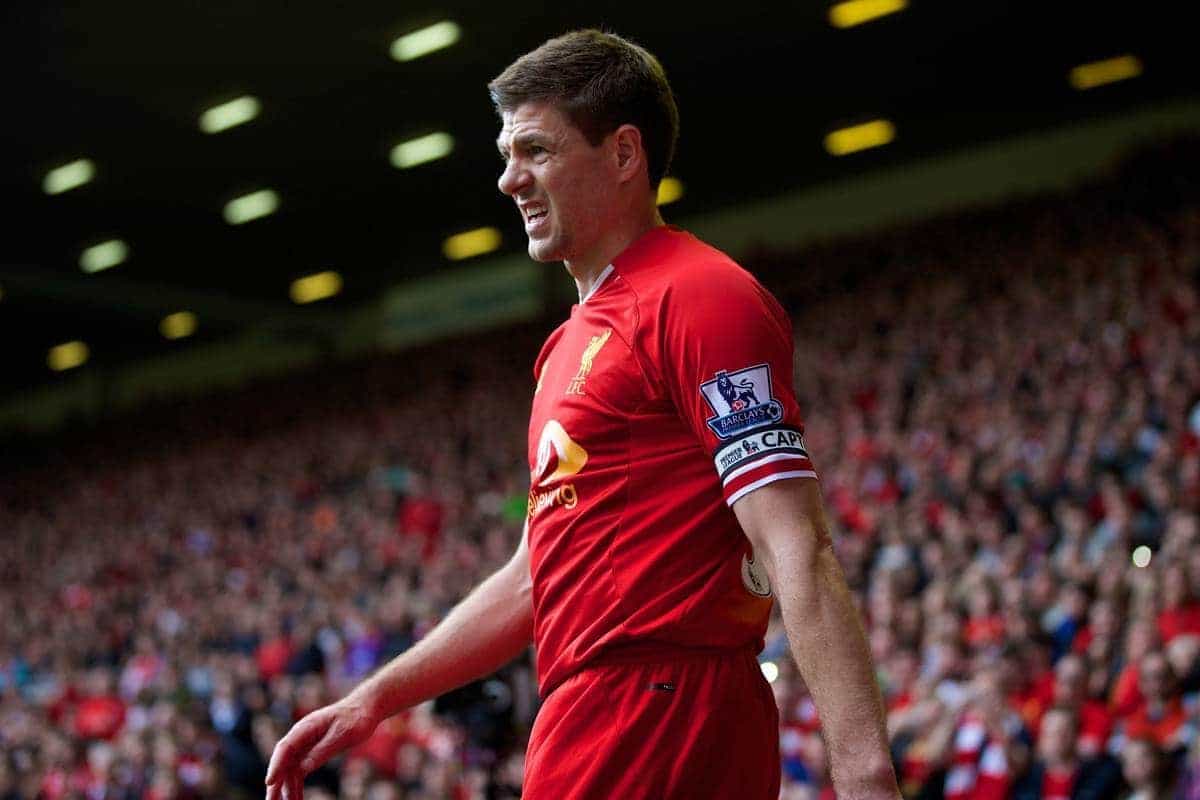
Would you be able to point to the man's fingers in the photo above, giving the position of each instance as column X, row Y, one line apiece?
column 290, row 749
column 279, row 759
column 274, row 792
column 322, row 751
column 297, row 783
column 277, row 765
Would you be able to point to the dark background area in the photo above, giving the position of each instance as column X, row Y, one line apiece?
column 123, row 83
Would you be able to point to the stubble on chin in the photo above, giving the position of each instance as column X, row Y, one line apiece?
column 535, row 253
column 546, row 251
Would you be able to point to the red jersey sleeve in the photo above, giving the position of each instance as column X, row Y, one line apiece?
column 726, row 358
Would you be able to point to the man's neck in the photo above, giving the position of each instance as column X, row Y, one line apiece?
column 586, row 271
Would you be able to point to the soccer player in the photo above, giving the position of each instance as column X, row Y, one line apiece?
column 672, row 499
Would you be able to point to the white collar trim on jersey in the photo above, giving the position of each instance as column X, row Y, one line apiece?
column 599, row 280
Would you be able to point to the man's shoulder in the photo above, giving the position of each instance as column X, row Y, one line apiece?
column 689, row 269
column 692, row 254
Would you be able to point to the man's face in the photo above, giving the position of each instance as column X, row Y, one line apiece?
column 562, row 185
column 1154, row 678
column 1070, row 680
column 1139, row 763
column 1056, row 740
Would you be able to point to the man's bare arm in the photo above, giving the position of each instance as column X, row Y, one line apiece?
column 785, row 521
column 489, row 628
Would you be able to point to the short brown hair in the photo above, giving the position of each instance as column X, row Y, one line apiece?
column 600, row 81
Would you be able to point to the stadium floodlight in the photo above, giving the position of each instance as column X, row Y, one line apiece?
column 105, row 255
column 875, row 133
column 251, row 206
column 426, row 40
column 770, row 670
column 1099, row 73
column 422, row 150
column 311, row 288
column 178, row 325
column 856, row 12
column 68, row 176
column 229, row 115
column 669, row 190
column 67, row 355
column 471, row 243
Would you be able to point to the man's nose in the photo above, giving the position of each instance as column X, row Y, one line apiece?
column 512, row 179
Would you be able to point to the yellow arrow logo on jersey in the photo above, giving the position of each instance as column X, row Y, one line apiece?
column 569, row 457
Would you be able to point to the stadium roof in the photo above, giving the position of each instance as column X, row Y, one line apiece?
column 123, row 84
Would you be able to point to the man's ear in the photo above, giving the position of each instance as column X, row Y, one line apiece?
column 629, row 152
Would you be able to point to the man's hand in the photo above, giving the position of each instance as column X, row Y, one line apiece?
column 481, row 634
column 314, row 740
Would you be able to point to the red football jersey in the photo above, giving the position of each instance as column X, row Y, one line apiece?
column 664, row 398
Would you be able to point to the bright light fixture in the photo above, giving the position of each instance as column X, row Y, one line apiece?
column 68, row 176
column 67, row 355
column 251, row 206
column 316, row 287
column 178, row 325
column 875, row 133
column 422, row 150
column 1110, row 70
column 856, row 12
column 471, row 243
column 770, row 670
column 103, row 256
column 669, row 190
column 227, row 115
column 1141, row 556
column 425, row 41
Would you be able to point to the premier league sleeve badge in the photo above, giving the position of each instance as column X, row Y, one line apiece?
column 741, row 401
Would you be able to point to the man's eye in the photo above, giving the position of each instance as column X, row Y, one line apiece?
column 536, row 149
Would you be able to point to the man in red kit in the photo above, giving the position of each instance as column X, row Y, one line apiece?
column 672, row 499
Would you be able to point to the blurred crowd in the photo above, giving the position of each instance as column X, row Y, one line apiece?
column 1004, row 406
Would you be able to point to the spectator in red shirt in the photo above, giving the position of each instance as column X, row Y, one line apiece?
column 1099, row 639
column 1094, row 721
column 420, row 516
column 990, row 745
column 101, row 713
column 1058, row 772
column 1180, row 613
column 1161, row 716
column 274, row 651
column 985, row 624
column 1126, row 696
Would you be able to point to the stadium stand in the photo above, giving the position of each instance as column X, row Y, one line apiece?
column 1004, row 405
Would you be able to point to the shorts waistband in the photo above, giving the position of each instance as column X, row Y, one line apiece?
column 651, row 654
column 659, row 653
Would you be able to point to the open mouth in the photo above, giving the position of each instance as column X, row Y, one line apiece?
column 536, row 218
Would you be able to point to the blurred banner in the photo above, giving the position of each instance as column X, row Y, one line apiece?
column 468, row 299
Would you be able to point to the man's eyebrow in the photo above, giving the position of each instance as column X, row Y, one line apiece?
column 532, row 137
column 522, row 140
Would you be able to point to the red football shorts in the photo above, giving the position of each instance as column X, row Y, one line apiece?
column 698, row 727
